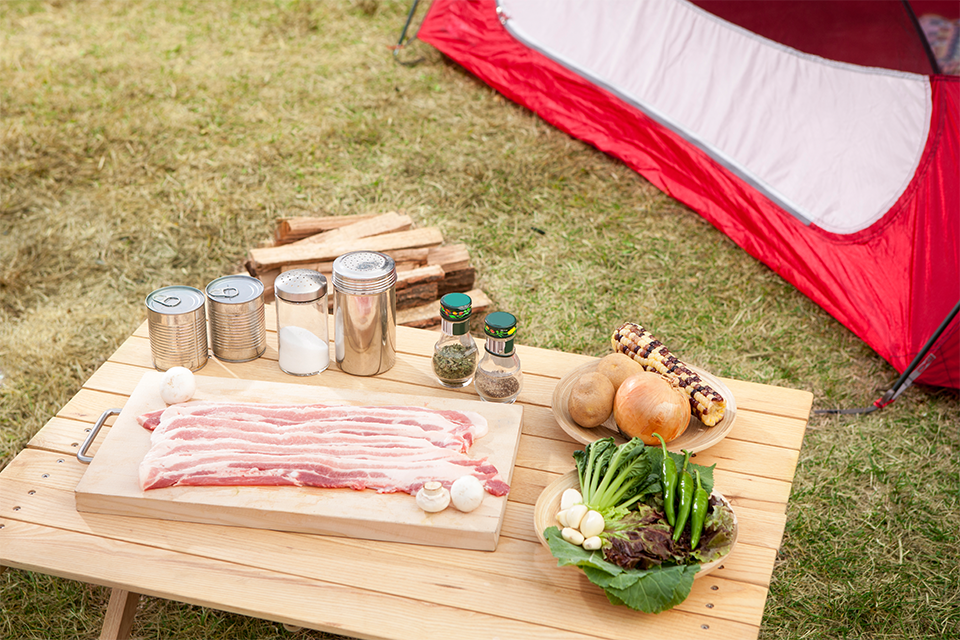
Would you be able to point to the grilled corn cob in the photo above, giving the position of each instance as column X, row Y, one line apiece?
column 638, row 343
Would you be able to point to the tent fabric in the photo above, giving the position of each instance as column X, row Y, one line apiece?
column 844, row 179
column 861, row 32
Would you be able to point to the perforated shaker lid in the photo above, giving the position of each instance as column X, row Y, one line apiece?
column 364, row 272
column 300, row 285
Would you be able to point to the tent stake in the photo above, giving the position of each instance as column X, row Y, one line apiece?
column 919, row 364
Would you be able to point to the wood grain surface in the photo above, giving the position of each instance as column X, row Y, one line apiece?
column 376, row 589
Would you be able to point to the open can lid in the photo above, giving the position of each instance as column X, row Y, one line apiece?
column 175, row 299
column 235, row 289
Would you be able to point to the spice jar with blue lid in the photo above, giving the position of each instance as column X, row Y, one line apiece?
column 455, row 354
column 498, row 377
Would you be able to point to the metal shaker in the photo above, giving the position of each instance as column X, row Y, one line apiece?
column 365, row 312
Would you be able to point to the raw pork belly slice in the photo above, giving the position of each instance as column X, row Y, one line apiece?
column 388, row 449
column 465, row 426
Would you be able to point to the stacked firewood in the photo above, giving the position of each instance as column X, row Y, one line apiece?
column 427, row 269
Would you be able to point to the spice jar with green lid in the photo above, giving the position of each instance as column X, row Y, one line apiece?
column 498, row 377
column 455, row 354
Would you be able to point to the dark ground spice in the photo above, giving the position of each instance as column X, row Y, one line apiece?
column 496, row 387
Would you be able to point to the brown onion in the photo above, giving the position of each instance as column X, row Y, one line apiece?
column 648, row 403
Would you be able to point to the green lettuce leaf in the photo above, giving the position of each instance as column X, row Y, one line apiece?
column 651, row 590
column 571, row 554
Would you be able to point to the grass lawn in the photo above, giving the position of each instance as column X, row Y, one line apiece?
column 146, row 143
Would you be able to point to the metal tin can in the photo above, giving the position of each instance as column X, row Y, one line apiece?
column 365, row 312
column 178, row 327
column 238, row 331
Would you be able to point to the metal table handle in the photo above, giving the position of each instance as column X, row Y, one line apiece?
column 82, row 454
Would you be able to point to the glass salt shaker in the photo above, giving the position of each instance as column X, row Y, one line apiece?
column 302, row 322
column 455, row 354
column 498, row 377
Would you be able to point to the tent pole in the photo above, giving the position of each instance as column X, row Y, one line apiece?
column 923, row 38
column 909, row 374
column 403, row 35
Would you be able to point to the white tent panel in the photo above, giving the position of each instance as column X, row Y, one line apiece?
column 833, row 143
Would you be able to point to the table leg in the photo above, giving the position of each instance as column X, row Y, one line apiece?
column 118, row 620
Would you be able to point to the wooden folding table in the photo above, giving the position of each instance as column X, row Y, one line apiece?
column 370, row 589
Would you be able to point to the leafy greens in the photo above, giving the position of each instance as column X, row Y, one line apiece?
column 639, row 565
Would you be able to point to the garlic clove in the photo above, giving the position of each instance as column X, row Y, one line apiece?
column 575, row 515
column 592, row 524
column 569, row 498
column 562, row 518
column 572, row 536
column 592, row 543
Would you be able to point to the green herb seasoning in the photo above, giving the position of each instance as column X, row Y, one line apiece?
column 455, row 354
column 454, row 361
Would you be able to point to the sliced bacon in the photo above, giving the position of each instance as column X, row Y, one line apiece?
column 468, row 425
column 389, row 449
column 192, row 426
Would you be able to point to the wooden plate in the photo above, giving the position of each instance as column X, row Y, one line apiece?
column 548, row 504
column 697, row 437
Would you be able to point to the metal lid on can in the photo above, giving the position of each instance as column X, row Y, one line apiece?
column 300, row 285
column 235, row 289
column 175, row 299
column 364, row 272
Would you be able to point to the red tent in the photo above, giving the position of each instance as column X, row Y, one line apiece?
column 819, row 136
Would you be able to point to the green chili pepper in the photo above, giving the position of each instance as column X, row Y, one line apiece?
column 684, row 497
column 698, row 513
column 668, row 478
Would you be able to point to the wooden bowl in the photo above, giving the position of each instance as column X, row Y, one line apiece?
column 697, row 436
column 548, row 504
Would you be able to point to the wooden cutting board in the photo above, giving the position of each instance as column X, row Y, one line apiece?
column 111, row 483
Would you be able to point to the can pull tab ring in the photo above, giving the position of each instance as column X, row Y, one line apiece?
column 167, row 301
column 226, row 292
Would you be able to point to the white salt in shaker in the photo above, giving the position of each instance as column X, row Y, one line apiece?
column 302, row 322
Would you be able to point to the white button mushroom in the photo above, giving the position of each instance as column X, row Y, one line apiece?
column 466, row 493
column 433, row 497
column 177, row 385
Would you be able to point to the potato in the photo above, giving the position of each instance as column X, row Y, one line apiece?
column 591, row 400
column 618, row 367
